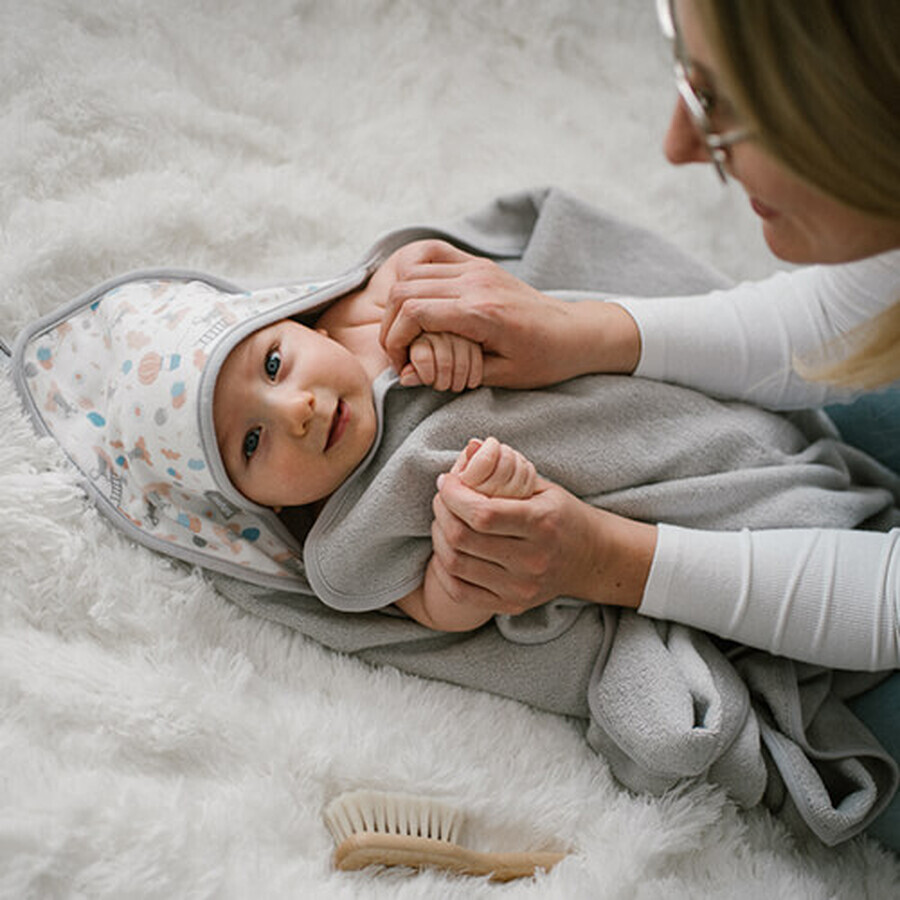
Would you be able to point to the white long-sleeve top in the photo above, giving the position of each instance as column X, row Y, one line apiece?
column 824, row 596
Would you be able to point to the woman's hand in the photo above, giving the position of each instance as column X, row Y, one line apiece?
column 528, row 338
column 509, row 555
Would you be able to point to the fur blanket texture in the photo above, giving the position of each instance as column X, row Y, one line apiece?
column 156, row 740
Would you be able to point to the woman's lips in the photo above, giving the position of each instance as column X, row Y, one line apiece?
column 760, row 208
column 339, row 422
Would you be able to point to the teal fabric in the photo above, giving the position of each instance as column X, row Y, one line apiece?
column 873, row 423
column 879, row 710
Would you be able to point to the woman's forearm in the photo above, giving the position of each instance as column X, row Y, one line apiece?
column 599, row 337
column 743, row 342
column 617, row 566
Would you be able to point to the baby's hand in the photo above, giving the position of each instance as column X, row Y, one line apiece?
column 495, row 469
column 444, row 362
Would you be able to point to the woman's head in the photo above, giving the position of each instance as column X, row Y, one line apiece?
column 816, row 85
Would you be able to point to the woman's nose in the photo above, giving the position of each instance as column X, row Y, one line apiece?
column 683, row 143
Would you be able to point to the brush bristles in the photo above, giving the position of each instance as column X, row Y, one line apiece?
column 358, row 812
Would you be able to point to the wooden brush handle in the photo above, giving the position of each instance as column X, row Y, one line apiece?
column 371, row 849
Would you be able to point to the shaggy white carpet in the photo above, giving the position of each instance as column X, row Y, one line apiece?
column 155, row 741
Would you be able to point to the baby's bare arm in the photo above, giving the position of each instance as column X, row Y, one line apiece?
column 430, row 605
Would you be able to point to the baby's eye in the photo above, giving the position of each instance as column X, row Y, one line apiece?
column 273, row 364
column 251, row 442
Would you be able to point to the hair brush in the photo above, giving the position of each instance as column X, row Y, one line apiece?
column 372, row 828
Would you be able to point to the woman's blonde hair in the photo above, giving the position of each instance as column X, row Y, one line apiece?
column 818, row 82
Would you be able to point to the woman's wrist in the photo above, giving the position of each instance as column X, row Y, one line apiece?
column 601, row 337
column 620, row 558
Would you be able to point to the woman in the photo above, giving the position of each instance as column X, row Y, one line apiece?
column 797, row 102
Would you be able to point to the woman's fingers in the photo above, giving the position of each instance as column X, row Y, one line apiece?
column 472, row 572
column 477, row 579
column 456, row 536
column 430, row 281
column 424, row 270
column 423, row 314
column 430, row 250
column 487, row 516
column 421, row 272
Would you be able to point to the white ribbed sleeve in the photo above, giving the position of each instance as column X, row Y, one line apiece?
column 823, row 596
column 740, row 342
column 829, row 597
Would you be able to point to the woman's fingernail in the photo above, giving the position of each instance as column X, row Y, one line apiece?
column 440, row 480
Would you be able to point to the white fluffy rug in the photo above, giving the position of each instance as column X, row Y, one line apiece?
column 156, row 742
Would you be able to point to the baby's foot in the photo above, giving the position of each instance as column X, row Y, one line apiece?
column 495, row 469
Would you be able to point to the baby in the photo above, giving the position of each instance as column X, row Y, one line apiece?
column 213, row 424
column 294, row 416
column 204, row 418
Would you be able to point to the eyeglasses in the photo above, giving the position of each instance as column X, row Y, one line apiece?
column 698, row 102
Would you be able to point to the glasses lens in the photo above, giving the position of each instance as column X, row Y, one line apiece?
column 694, row 101
column 666, row 18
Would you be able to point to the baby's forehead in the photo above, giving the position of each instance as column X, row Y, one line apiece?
column 272, row 329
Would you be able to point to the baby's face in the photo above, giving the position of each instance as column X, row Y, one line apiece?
column 293, row 413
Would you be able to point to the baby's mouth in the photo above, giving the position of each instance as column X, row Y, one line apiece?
column 338, row 424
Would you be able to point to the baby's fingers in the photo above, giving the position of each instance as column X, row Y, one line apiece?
column 512, row 476
column 409, row 377
column 482, row 459
column 465, row 455
column 422, row 358
column 523, row 480
column 499, row 471
column 444, row 362
column 475, row 366
column 459, row 361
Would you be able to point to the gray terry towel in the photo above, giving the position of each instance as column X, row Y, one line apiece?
column 662, row 702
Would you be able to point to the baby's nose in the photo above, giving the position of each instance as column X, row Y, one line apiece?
column 298, row 411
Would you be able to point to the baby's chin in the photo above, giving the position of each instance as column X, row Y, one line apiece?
column 368, row 424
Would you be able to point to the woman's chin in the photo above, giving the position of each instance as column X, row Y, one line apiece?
column 784, row 247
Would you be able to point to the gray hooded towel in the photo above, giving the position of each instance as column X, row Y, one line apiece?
column 661, row 702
